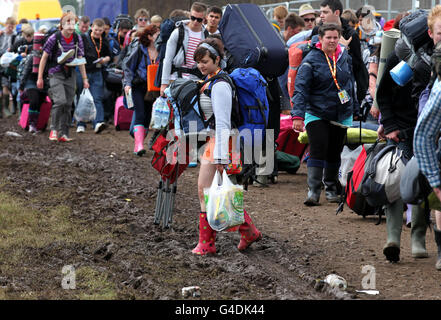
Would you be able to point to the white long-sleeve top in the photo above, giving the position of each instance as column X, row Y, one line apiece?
column 221, row 101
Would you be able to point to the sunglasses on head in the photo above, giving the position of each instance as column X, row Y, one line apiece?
column 309, row 19
column 193, row 18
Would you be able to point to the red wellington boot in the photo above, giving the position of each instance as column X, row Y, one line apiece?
column 248, row 233
column 207, row 237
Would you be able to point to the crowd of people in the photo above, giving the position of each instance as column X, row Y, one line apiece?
column 336, row 85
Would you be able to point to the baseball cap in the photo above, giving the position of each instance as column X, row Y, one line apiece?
column 306, row 9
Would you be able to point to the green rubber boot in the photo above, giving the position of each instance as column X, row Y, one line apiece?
column 5, row 105
column 314, row 180
column 330, row 180
column 418, row 233
column 438, row 244
column 394, row 225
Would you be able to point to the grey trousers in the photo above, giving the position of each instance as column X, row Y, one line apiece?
column 62, row 93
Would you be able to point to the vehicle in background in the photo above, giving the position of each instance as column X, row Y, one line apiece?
column 37, row 9
column 48, row 23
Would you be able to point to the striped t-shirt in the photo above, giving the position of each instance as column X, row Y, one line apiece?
column 51, row 42
column 193, row 40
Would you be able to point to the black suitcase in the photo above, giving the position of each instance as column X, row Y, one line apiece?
column 252, row 41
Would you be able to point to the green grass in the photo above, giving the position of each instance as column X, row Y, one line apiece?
column 94, row 285
column 23, row 229
column 21, row 226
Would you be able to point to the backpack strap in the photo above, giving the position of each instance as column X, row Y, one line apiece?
column 180, row 43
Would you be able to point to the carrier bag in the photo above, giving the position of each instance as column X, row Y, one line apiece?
column 85, row 110
column 348, row 158
column 252, row 41
column 224, row 203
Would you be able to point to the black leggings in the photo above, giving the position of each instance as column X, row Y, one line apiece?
column 36, row 99
column 143, row 109
column 325, row 142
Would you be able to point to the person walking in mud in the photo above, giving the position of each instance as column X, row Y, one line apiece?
column 208, row 55
column 135, row 80
column 63, row 51
column 324, row 102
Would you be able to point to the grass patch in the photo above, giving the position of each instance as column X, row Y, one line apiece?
column 21, row 226
column 95, row 285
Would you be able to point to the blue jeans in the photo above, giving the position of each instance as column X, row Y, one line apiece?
column 96, row 88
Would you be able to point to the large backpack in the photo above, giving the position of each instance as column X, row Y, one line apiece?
column 166, row 29
column 120, row 18
column 296, row 53
column 250, row 103
column 415, row 27
column 353, row 196
column 381, row 183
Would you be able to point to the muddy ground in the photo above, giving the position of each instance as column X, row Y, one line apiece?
column 90, row 204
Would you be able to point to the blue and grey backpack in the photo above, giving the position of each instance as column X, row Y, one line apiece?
column 250, row 102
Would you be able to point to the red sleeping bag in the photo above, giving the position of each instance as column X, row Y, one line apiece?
column 287, row 140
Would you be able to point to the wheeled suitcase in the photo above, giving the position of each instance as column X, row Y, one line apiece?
column 43, row 117
column 252, row 41
column 123, row 116
column 288, row 139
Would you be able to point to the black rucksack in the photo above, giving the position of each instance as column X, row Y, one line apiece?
column 122, row 17
column 415, row 27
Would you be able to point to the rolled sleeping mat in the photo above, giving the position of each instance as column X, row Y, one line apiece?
column 37, row 47
column 390, row 37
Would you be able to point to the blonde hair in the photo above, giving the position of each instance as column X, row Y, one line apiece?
column 27, row 29
column 434, row 14
column 156, row 19
column 11, row 20
column 280, row 12
column 142, row 13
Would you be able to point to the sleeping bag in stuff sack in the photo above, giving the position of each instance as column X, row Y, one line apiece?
column 251, row 39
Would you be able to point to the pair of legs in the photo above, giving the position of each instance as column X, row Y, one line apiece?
column 36, row 99
column 326, row 144
column 62, row 93
column 142, row 117
column 207, row 236
column 394, row 225
column 96, row 88
column 4, row 101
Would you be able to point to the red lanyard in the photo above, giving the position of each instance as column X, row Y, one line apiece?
column 101, row 44
column 333, row 70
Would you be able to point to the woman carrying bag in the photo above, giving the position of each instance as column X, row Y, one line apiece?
column 208, row 56
column 324, row 102
column 135, row 81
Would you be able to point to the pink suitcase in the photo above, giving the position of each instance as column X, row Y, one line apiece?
column 43, row 118
column 123, row 116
